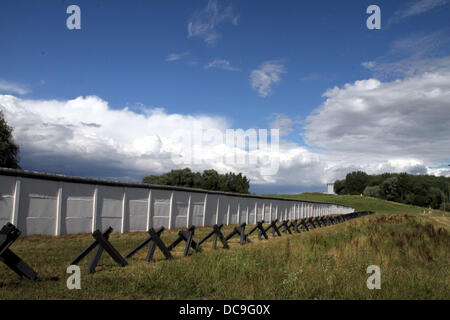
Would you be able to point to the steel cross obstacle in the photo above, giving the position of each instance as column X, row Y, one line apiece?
column 308, row 222
column 8, row 234
column 273, row 227
column 217, row 234
column 330, row 220
column 259, row 226
column 285, row 226
column 303, row 224
column 315, row 223
column 241, row 232
column 321, row 222
column 295, row 225
column 101, row 240
column 187, row 236
column 155, row 240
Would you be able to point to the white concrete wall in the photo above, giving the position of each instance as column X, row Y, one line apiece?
column 55, row 205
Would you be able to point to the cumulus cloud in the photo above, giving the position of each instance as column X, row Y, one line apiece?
column 87, row 129
column 221, row 64
column 263, row 78
column 204, row 23
column 370, row 125
column 12, row 87
column 84, row 136
column 370, row 121
column 176, row 56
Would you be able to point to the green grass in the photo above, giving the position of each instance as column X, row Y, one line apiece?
column 365, row 203
column 327, row 263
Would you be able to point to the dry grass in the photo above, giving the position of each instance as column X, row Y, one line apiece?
column 326, row 263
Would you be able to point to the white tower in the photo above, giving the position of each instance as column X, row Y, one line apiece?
column 330, row 188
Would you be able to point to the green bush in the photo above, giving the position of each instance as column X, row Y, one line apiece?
column 372, row 191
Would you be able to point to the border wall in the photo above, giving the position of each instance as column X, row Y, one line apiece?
column 49, row 204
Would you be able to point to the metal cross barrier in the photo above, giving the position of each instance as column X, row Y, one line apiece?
column 259, row 226
column 241, row 232
column 317, row 222
column 187, row 236
column 322, row 221
column 295, row 225
column 303, row 224
column 273, row 227
column 153, row 243
column 285, row 226
column 8, row 234
column 329, row 220
column 101, row 240
column 158, row 242
column 217, row 234
column 310, row 223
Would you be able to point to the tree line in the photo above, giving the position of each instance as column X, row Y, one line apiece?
column 420, row 190
column 209, row 180
column 9, row 151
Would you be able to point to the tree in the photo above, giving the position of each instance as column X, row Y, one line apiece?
column 210, row 180
column 355, row 182
column 9, row 151
column 339, row 187
column 372, row 191
column 389, row 189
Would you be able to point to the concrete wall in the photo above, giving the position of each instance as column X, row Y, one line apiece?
column 53, row 205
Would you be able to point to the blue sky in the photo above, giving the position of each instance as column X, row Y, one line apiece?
column 203, row 59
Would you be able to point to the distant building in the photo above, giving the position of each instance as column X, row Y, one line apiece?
column 330, row 188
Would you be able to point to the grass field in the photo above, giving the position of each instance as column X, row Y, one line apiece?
column 327, row 263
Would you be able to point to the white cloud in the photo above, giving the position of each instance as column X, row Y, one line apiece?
column 86, row 129
column 205, row 23
column 372, row 122
column 263, row 78
column 418, row 7
column 369, row 64
column 412, row 55
column 370, row 125
column 367, row 125
column 176, row 56
column 12, row 87
column 221, row 64
column 283, row 123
